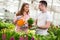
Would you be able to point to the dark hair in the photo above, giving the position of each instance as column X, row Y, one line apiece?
column 44, row 3
column 20, row 12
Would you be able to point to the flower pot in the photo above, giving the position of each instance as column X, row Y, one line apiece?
column 30, row 26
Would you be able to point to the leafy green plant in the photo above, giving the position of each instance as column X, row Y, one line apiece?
column 30, row 22
column 9, row 34
column 55, row 31
column 58, row 34
column 54, row 34
column 16, row 36
column 2, row 25
column 0, row 35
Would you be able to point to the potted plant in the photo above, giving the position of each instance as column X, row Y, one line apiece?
column 30, row 22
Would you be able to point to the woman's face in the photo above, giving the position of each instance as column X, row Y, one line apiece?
column 26, row 8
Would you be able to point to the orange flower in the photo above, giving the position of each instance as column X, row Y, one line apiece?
column 20, row 22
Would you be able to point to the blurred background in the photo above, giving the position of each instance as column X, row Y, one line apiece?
column 8, row 9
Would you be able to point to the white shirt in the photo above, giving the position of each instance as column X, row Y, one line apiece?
column 42, row 18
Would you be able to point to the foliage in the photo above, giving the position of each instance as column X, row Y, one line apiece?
column 30, row 21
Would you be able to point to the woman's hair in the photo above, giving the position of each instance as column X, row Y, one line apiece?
column 20, row 12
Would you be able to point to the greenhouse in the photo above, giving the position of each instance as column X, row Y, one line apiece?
column 29, row 19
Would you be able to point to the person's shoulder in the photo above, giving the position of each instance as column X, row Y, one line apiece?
column 38, row 11
column 18, row 16
column 49, row 16
column 48, row 13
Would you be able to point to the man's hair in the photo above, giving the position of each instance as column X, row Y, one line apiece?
column 44, row 3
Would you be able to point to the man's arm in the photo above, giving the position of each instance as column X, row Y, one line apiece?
column 48, row 21
column 46, row 26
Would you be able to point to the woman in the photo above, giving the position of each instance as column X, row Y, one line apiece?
column 22, row 14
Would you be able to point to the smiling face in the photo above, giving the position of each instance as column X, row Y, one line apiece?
column 42, row 5
column 26, row 8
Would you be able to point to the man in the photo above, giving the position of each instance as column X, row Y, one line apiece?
column 44, row 19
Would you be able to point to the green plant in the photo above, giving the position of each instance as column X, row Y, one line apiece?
column 30, row 21
column 0, row 35
column 16, row 36
column 54, row 34
column 2, row 25
column 9, row 34
column 53, row 30
column 58, row 34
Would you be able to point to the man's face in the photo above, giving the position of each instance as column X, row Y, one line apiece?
column 41, row 6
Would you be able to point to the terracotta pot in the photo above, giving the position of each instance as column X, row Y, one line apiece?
column 30, row 26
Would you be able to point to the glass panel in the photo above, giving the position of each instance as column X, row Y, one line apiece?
column 9, row 7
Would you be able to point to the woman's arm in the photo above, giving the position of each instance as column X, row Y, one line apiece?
column 15, row 20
